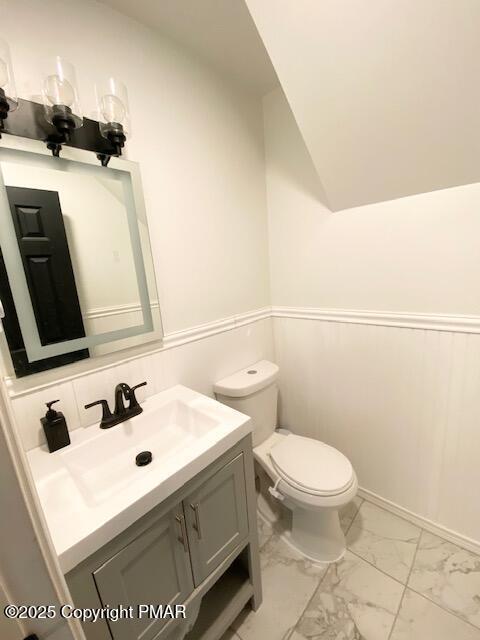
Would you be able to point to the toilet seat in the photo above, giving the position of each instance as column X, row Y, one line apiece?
column 287, row 488
column 311, row 466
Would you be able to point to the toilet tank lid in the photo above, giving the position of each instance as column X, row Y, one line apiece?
column 247, row 381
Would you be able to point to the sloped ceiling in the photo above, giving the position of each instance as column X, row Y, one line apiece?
column 386, row 93
column 221, row 32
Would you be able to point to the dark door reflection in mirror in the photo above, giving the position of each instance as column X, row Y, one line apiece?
column 41, row 237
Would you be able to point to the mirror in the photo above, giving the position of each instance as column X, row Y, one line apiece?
column 76, row 269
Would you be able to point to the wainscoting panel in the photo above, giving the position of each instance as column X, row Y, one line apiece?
column 403, row 404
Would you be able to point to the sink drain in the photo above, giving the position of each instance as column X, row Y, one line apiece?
column 143, row 458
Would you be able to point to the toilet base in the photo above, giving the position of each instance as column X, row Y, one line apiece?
column 317, row 534
column 286, row 536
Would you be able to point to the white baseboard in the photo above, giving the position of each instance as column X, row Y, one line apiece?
column 420, row 521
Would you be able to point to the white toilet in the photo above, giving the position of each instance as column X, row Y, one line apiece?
column 309, row 477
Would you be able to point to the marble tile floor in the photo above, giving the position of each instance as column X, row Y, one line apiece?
column 396, row 582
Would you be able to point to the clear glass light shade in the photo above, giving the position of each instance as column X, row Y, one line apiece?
column 112, row 104
column 7, row 79
column 60, row 90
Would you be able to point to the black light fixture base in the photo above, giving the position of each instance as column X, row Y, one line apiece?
column 116, row 136
column 54, row 147
column 63, row 121
column 104, row 159
column 4, row 109
column 4, row 105
column 29, row 121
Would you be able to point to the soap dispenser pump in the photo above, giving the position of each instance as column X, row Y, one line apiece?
column 55, row 428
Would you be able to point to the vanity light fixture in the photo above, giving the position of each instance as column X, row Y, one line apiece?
column 61, row 101
column 59, row 120
column 113, row 109
column 8, row 92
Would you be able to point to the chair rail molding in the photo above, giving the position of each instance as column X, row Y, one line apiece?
column 428, row 321
column 169, row 341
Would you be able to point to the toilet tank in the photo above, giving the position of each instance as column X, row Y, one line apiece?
column 254, row 392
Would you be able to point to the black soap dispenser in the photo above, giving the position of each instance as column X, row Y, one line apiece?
column 55, row 427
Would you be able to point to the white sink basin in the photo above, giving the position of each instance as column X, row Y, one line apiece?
column 93, row 490
column 104, row 465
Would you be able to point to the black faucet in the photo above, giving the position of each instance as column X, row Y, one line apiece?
column 122, row 391
column 121, row 412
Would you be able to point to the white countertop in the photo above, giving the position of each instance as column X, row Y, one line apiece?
column 87, row 507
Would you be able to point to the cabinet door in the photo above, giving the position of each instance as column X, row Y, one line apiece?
column 153, row 569
column 216, row 515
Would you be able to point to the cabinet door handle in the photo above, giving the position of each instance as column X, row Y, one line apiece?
column 183, row 532
column 196, row 524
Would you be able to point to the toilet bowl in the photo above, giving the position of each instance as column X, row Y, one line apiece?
column 310, row 478
column 314, row 481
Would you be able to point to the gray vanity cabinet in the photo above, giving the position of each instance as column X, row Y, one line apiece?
column 154, row 568
column 216, row 516
column 199, row 546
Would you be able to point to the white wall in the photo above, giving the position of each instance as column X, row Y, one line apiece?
column 198, row 139
column 403, row 404
column 416, row 254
